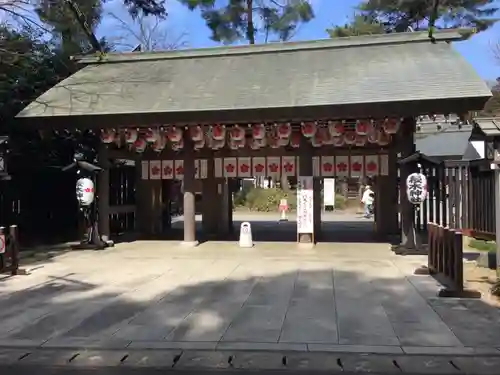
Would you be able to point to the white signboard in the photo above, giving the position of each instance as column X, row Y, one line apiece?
column 329, row 192
column 305, row 205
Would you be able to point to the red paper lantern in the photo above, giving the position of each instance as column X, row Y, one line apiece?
column 308, row 129
column 372, row 136
column 174, row 134
column 391, row 126
column 237, row 133
column 284, row 130
column 152, row 135
column 139, row 145
column 196, row 133
column 336, row 129
column 108, row 135
column 258, row 131
column 362, row 127
column 273, row 141
column 131, row 135
column 218, row 132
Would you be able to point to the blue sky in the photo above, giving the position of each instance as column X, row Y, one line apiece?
column 190, row 27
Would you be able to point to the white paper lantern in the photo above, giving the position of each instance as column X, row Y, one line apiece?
column 140, row 145
column 258, row 131
column 218, row 132
column 85, row 191
column 152, row 135
column 237, row 133
column 416, row 188
column 308, row 129
column 131, row 135
column 196, row 133
column 108, row 136
column 284, row 130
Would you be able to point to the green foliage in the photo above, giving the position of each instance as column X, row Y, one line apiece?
column 381, row 16
column 492, row 106
column 482, row 245
column 268, row 200
column 237, row 19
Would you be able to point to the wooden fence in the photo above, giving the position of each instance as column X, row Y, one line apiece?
column 461, row 196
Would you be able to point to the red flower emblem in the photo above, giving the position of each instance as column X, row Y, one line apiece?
column 342, row 167
column 371, row 166
column 288, row 167
column 283, row 129
column 328, row 167
column 259, row 168
column 168, row 170
column 88, row 190
column 356, row 167
column 217, row 131
column 244, row 168
column 179, row 170
column 155, row 171
column 229, row 168
column 273, row 168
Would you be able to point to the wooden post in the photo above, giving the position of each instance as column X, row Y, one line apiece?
column 103, row 192
column 189, row 192
column 14, row 243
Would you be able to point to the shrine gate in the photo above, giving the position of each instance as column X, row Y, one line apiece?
column 329, row 108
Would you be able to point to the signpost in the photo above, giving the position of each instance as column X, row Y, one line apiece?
column 329, row 193
column 305, row 206
column 283, row 207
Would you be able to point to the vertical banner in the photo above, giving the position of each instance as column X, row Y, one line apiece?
column 259, row 166
column 203, row 168
column 327, row 166
column 371, row 165
column 384, row 165
column 167, row 169
column 357, row 166
column 230, row 168
column 244, row 167
column 273, row 167
column 342, row 166
column 197, row 169
column 316, row 167
column 179, row 169
column 218, row 168
column 145, row 170
column 288, row 166
column 305, row 205
column 155, row 169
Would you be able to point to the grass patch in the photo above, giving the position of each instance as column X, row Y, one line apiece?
column 482, row 245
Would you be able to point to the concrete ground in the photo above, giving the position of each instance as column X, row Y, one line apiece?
column 338, row 297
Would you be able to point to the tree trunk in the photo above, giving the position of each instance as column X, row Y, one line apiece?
column 250, row 26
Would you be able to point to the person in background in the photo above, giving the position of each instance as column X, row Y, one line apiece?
column 367, row 200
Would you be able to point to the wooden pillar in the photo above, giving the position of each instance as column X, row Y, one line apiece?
column 103, row 192
column 156, row 206
column 306, row 169
column 210, row 202
column 386, row 202
column 189, row 192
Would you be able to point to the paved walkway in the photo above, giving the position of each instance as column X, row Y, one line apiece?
column 336, row 297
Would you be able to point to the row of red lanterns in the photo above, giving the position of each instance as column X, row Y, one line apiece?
column 278, row 135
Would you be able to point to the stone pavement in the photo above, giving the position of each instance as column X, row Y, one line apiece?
column 275, row 297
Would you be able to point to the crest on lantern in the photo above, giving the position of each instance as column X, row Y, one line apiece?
column 284, row 131
column 85, row 191
column 336, row 129
column 108, row 136
column 349, row 138
column 237, row 133
column 308, row 129
column 258, row 131
column 391, row 126
column 152, row 135
column 416, row 188
column 218, row 132
column 196, row 133
column 131, row 135
column 174, row 134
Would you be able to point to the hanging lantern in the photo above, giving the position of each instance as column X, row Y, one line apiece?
column 237, row 133
column 196, row 133
column 284, row 131
column 262, row 142
column 317, row 140
column 218, row 132
column 258, row 131
column 362, row 127
column 198, row 145
column 152, row 135
column 174, row 134
column 360, row 140
column 338, row 141
column 108, row 136
column 308, row 129
column 177, row 146
column 372, row 136
column 326, row 138
column 254, row 144
column 85, row 191
column 273, row 141
column 295, row 140
column 139, row 145
column 349, row 137
column 383, row 138
column 232, row 144
column 218, row 144
column 159, row 144
column 391, row 126
column 283, row 141
column 131, row 135
column 336, row 129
